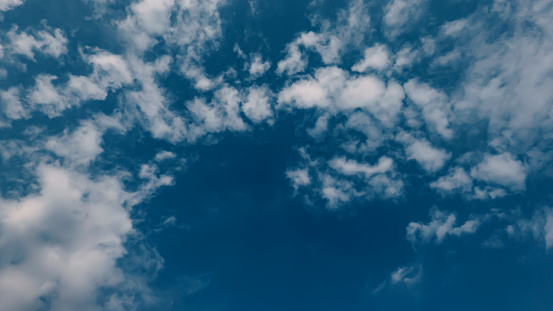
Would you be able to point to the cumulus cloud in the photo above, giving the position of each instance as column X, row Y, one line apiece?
column 457, row 180
column 350, row 29
column 435, row 106
column 376, row 57
column 62, row 243
column 48, row 42
column 299, row 178
column 502, row 169
column 164, row 155
column 341, row 180
column 258, row 67
column 537, row 225
column 508, row 79
column 400, row 13
column 351, row 167
column 80, row 147
column 407, row 275
column 334, row 89
column 366, row 121
column 429, row 158
column 441, row 226
column 6, row 5
column 257, row 106
column 223, row 113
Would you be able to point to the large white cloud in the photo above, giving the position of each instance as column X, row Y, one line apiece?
column 501, row 169
column 62, row 243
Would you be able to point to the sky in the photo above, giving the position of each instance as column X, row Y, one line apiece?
column 259, row 155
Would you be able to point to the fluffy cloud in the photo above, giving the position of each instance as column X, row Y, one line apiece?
column 434, row 105
column 80, row 147
column 258, row 67
column 429, row 158
column 457, row 180
column 48, row 42
column 63, row 242
column 399, row 13
column 351, row 167
column 6, row 5
column 407, row 275
column 257, row 105
column 334, row 89
column 440, row 227
column 341, row 180
column 350, row 29
column 376, row 57
column 501, row 169
column 540, row 227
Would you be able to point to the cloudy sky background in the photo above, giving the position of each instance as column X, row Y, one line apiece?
column 276, row 155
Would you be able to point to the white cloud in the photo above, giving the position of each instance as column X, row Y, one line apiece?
column 6, row 5
column 351, row 167
column 11, row 103
column 333, row 89
column 342, row 180
column 164, row 155
column 502, row 169
column 431, row 159
column 109, row 72
column 540, row 227
column 46, row 97
column 258, row 67
column 63, row 242
column 434, row 105
column 507, row 81
column 376, row 57
column 257, row 106
column 80, row 147
column 400, row 13
column 407, row 275
column 48, row 42
column 294, row 62
column 223, row 113
column 330, row 42
column 299, row 178
column 457, row 180
column 440, row 227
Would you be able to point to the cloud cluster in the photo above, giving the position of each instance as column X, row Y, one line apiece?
column 374, row 114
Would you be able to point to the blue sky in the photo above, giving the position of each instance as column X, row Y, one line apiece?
column 276, row 155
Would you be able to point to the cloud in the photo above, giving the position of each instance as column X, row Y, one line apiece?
column 49, row 42
column 431, row 159
column 434, row 105
column 109, row 72
column 457, row 180
column 539, row 226
column 257, row 106
column 351, row 167
column 6, row 5
column 164, row 155
column 501, row 169
column 299, row 178
column 63, row 242
column 12, row 106
column 400, row 13
column 335, row 90
column 258, row 67
column 349, row 30
column 340, row 180
column 80, row 147
column 440, row 227
column 223, row 113
column 376, row 57
column 407, row 275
